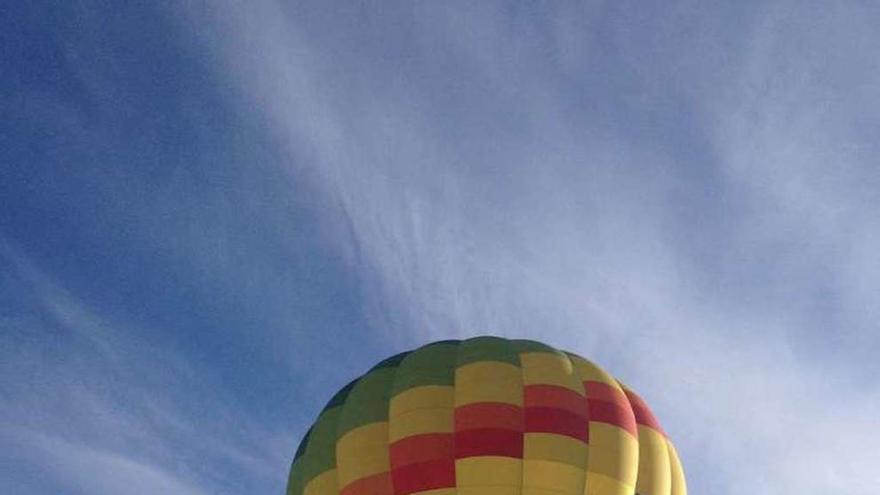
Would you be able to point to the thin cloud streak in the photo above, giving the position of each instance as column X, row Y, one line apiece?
column 99, row 409
column 88, row 470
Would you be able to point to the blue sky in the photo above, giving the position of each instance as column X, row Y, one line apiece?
column 212, row 215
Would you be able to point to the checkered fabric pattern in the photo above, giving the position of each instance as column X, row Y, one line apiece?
column 486, row 416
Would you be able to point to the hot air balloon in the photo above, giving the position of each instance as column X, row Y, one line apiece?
column 486, row 416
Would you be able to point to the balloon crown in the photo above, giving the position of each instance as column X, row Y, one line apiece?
column 486, row 416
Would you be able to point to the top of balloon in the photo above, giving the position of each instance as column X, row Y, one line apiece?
column 486, row 416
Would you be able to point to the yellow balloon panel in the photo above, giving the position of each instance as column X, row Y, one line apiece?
column 655, row 477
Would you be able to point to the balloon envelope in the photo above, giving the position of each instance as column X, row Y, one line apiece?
column 486, row 416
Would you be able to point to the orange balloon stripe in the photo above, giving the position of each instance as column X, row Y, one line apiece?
column 606, row 412
column 489, row 415
column 423, row 476
column 607, row 404
column 559, row 421
column 421, row 448
column 643, row 414
column 489, row 441
column 556, row 397
column 378, row 484
column 606, row 392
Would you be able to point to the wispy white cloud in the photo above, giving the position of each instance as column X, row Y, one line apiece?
column 491, row 200
column 84, row 469
column 792, row 137
column 98, row 409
